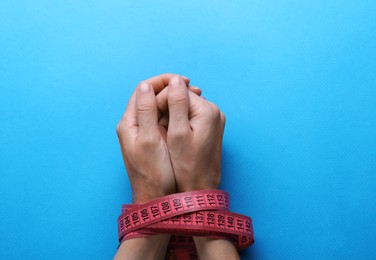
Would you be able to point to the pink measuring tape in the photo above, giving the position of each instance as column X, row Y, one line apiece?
column 187, row 214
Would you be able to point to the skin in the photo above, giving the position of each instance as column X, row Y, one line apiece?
column 171, row 141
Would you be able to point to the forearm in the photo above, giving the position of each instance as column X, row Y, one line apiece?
column 213, row 248
column 150, row 247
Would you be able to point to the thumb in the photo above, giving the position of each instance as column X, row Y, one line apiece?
column 146, row 109
column 178, row 106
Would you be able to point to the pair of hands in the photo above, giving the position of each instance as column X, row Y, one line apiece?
column 171, row 139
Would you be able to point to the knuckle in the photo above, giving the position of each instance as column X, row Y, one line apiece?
column 144, row 107
column 120, row 128
column 208, row 113
column 177, row 99
column 216, row 113
column 147, row 141
column 179, row 134
column 211, row 113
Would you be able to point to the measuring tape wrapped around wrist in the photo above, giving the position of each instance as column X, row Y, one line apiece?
column 196, row 213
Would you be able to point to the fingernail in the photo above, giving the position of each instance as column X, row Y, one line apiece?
column 175, row 81
column 144, row 88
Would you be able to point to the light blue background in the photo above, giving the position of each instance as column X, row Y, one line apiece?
column 296, row 79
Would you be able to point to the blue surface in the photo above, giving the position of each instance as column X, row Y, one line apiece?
column 296, row 79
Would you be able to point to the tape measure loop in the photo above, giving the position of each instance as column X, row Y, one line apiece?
column 183, row 215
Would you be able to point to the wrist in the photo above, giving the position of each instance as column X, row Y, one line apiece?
column 215, row 248
column 135, row 248
column 145, row 190
column 212, row 184
column 144, row 197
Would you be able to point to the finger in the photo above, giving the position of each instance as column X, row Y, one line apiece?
column 163, row 120
column 217, row 115
column 178, row 105
column 199, row 109
column 159, row 82
column 146, row 110
column 215, row 110
column 162, row 103
column 195, row 90
column 162, row 98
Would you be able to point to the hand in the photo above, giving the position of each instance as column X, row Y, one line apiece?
column 194, row 140
column 143, row 145
column 194, row 137
column 142, row 138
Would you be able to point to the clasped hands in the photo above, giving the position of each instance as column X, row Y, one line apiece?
column 171, row 139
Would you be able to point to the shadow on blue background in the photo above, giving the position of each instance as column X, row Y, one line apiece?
column 296, row 80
